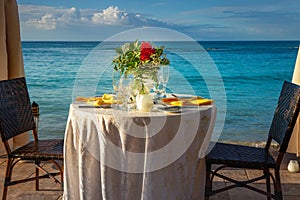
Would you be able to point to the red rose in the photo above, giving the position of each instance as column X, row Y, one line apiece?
column 146, row 51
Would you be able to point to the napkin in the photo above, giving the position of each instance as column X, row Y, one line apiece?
column 95, row 102
column 176, row 103
column 86, row 99
column 168, row 100
column 202, row 101
column 107, row 98
column 98, row 101
column 193, row 101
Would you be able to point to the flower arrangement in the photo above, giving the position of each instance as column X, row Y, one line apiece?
column 140, row 59
column 132, row 56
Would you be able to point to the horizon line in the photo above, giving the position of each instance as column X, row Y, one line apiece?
column 282, row 40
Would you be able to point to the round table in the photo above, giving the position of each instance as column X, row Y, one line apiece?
column 114, row 154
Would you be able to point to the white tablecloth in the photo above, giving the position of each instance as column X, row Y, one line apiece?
column 117, row 155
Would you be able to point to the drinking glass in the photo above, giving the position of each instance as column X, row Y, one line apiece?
column 162, row 78
column 116, row 80
column 116, row 77
column 124, row 92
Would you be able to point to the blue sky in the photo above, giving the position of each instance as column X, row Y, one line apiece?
column 95, row 20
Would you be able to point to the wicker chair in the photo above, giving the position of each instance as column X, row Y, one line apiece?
column 238, row 156
column 16, row 117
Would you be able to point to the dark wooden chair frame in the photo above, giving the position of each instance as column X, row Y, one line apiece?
column 16, row 117
column 238, row 156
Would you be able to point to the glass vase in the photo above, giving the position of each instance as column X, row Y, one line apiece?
column 145, row 79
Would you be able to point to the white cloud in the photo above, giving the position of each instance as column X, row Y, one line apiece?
column 112, row 15
column 47, row 22
column 70, row 16
column 49, row 18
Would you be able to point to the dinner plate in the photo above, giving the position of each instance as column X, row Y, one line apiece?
column 100, row 106
column 171, row 109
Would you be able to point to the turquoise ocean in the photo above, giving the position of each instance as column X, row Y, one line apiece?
column 252, row 74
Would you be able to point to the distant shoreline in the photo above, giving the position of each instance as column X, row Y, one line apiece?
column 92, row 41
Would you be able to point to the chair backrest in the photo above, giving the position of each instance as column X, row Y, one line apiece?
column 285, row 115
column 15, row 109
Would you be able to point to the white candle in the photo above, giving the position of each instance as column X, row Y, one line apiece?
column 293, row 166
column 144, row 102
